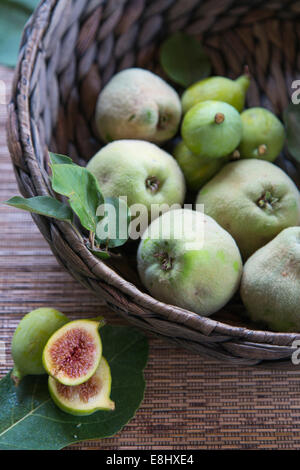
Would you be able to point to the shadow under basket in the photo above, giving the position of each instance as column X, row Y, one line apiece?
column 69, row 50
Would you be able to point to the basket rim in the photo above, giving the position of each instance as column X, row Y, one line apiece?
column 23, row 156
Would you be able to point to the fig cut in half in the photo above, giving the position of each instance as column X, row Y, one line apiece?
column 72, row 354
column 86, row 398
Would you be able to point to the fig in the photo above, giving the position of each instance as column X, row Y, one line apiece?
column 140, row 170
column 253, row 200
column 29, row 340
column 212, row 129
column 186, row 259
column 263, row 135
column 137, row 104
column 232, row 92
column 86, row 398
column 72, row 354
column 197, row 170
column 271, row 282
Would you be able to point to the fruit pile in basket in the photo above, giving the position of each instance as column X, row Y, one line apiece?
column 224, row 155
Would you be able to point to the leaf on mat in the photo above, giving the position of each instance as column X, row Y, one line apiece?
column 30, row 419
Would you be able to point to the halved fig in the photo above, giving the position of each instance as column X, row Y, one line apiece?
column 86, row 398
column 72, row 354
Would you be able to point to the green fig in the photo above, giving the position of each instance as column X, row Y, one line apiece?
column 253, row 200
column 212, row 129
column 72, row 354
column 197, row 170
column 271, row 282
column 30, row 338
column 86, row 398
column 232, row 92
column 263, row 135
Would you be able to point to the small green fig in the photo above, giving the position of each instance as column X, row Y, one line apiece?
column 217, row 88
column 86, row 398
column 197, row 170
column 72, row 354
column 263, row 135
column 30, row 338
column 212, row 129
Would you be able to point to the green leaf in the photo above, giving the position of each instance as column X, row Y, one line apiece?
column 14, row 14
column 57, row 158
column 184, row 60
column 30, row 419
column 44, row 205
column 291, row 117
column 82, row 189
column 112, row 230
column 102, row 254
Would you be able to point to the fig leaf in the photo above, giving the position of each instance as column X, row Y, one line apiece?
column 31, row 421
column 184, row 60
column 12, row 21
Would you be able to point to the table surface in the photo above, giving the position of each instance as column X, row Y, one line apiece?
column 190, row 403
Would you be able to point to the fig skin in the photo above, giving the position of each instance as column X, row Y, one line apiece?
column 263, row 135
column 197, row 170
column 101, row 401
column 254, row 200
column 271, row 282
column 30, row 338
column 61, row 339
column 137, row 104
column 123, row 168
column 224, row 89
column 200, row 278
column 212, row 129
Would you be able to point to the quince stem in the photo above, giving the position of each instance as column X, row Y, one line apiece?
column 92, row 239
column 219, row 118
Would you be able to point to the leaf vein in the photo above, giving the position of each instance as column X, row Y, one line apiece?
column 24, row 417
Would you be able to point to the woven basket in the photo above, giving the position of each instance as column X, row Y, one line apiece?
column 70, row 49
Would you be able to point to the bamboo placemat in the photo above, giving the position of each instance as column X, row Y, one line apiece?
column 190, row 402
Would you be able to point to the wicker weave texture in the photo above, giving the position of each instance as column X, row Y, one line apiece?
column 69, row 51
